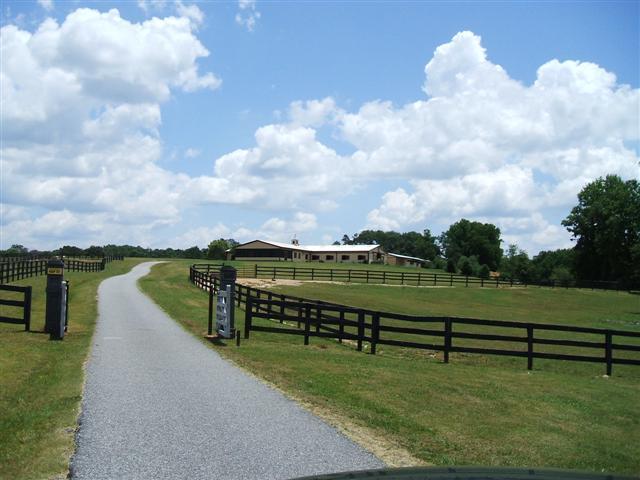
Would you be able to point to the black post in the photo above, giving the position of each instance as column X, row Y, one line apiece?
column 318, row 318
column 55, row 311
column 375, row 332
column 608, row 354
column 529, row 347
column 248, row 313
column 282, row 300
column 341, row 327
column 210, row 323
column 66, row 306
column 447, row 339
column 27, row 309
column 237, row 338
column 360, row 329
column 307, row 323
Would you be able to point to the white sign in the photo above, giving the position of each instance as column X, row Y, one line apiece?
column 224, row 306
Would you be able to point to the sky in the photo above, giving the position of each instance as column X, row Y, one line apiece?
column 168, row 123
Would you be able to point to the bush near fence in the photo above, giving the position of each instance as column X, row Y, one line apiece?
column 314, row 318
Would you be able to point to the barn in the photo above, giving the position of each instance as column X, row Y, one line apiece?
column 261, row 250
column 404, row 260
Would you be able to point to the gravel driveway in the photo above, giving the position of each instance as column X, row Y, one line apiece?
column 160, row 404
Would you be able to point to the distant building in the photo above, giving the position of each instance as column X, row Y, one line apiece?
column 404, row 260
column 261, row 250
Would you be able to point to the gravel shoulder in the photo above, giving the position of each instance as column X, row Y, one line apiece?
column 159, row 404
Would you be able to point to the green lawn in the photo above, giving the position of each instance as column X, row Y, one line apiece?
column 41, row 380
column 476, row 410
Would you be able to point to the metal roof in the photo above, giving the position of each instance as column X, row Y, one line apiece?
column 406, row 257
column 317, row 248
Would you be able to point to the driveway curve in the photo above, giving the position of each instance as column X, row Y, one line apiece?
column 159, row 404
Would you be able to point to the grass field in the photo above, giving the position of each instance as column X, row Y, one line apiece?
column 476, row 410
column 41, row 380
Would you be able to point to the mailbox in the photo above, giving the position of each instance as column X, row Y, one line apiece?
column 225, row 305
column 56, row 307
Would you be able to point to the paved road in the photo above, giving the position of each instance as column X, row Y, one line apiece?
column 160, row 404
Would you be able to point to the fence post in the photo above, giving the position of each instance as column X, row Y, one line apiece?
column 282, row 300
column 375, row 332
column 294, row 273
column 419, row 278
column 608, row 354
column 210, row 324
column 312, row 270
column 529, row 347
column 402, row 278
column 466, row 281
column 451, row 280
column 307, row 323
column 318, row 319
column 384, row 277
column 349, row 280
column 360, row 329
column 367, row 276
column 481, row 282
column 27, row 309
column 248, row 317
column 341, row 326
column 255, row 270
column 447, row 339
column 435, row 279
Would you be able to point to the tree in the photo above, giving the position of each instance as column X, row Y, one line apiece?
column 193, row 252
column 464, row 266
column 515, row 264
column 94, row 251
column 545, row 262
column 413, row 244
column 484, row 271
column 606, row 227
column 217, row 249
column 472, row 238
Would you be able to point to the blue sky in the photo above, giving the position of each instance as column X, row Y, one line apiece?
column 309, row 118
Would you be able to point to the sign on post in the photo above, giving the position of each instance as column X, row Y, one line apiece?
column 56, row 307
column 225, row 305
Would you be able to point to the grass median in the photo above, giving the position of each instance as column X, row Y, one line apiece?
column 476, row 410
column 41, row 380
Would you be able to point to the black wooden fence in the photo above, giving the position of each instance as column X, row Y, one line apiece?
column 10, row 271
column 24, row 305
column 314, row 318
column 415, row 278
column 412, row 278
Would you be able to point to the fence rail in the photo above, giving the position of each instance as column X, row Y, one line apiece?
column 17, row 270
column 314, row 318
column 413, row 278
column 24, row 304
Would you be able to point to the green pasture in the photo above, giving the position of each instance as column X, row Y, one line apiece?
column 476, row 410
column 41, row 380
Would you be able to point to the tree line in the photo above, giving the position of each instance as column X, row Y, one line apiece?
column 605, row 226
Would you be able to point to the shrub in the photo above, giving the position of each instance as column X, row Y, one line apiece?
column 484, row 271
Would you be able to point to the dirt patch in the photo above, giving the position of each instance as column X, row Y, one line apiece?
column 268, row 283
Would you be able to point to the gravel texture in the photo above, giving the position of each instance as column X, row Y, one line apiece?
column 160, row 404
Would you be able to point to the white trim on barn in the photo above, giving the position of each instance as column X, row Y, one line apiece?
column 260, row 250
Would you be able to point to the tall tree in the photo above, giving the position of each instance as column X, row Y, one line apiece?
column 466, row 238
column 606, row 227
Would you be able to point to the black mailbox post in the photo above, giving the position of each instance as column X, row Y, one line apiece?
column 56, row 312
column 225, row 308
